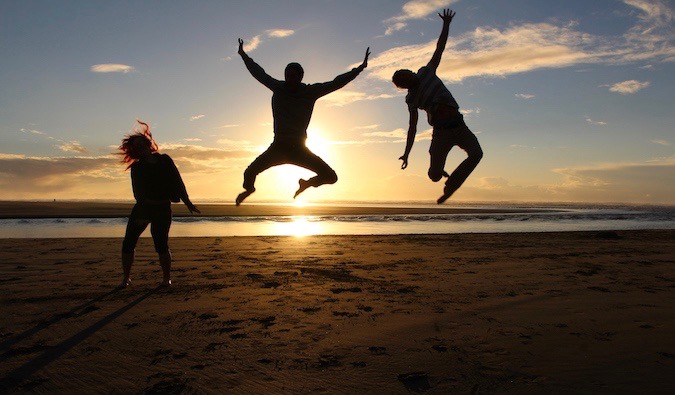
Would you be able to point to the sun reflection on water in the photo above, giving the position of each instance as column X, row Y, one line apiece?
column 298, row 226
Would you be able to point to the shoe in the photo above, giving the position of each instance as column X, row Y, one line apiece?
column 240, row 198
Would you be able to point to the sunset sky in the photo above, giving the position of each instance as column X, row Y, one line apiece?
column 572, row 101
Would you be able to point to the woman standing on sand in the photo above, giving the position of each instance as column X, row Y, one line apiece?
column 156, row 183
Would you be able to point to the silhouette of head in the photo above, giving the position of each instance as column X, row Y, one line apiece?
column 137, row 145
column 294, row 73
column 404, row 78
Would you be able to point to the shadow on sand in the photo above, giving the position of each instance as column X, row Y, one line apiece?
column 14, row 379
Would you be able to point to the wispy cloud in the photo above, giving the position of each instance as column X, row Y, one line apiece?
column 196, row 117
column 628, row 87
column 489, row 51
column 343, row 97
column 73, row 146
column 525, row 96
column 254, row 42
column 592, row 122
column 414, row 9
column 111, row 68
column 665, row 143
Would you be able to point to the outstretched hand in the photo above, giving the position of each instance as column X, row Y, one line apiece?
column 365, row 59
column 447, row 16
column 241, row 47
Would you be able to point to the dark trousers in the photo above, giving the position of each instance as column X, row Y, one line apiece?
column 445, row 136
column 293, row 153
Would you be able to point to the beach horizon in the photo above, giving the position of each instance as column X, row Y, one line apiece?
column 17, row 209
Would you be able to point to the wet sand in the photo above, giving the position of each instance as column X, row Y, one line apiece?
column 571, row 312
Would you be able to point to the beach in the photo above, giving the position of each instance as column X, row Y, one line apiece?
column 566, row 312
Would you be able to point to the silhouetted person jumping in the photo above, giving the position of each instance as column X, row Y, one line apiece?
column 156, row 182
column 427, row 92
column 292, row 106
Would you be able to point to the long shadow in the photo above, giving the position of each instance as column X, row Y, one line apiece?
column 20, row 374
column 76, row 311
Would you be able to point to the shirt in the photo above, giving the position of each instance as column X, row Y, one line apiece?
column 292, row 107
column 429, row 92
column 159, row 181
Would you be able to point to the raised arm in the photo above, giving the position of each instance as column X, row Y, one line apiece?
column 342, row 79
column 442, row 39
column 412, row 131
column 254, row 68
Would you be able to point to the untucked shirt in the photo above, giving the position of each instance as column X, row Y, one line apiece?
column 429, row 93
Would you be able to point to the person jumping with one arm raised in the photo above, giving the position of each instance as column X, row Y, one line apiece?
column 427, row 92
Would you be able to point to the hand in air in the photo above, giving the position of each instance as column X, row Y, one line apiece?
column 447, row 15
column 365, row 59
column 241, row 47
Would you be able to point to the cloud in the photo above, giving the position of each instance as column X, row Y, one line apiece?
column 343, row 97
column 665, row 143
column 254, row 42
column 628, row 87
column 649, row 182
column 73, row 146
column 111, row 68
column 592, row 122
column 639, row 182
column 196, row 117
column 525, row 96
column 414, row 9
column 280, row 33
column 494, row 52
column 227, row 126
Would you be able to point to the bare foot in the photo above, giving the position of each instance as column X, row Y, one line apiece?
column 243, row 195
column 125, row 283
column 304, row 184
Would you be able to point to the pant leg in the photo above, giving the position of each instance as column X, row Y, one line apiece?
column 273, row 156
column 467, row 141
column 441, row 144
column 305, row 158
column 159, row 227
column 138, row 221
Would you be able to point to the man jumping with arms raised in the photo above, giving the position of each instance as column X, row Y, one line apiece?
column 292, row 106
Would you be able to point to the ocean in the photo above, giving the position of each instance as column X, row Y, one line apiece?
column 526, row 218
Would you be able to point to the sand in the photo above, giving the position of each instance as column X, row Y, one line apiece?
column 573, row 312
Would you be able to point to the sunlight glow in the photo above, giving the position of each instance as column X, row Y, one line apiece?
column 298, row 226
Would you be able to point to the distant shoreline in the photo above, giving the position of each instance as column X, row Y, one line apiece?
column 94, row 209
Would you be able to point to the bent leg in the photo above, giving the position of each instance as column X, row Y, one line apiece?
column 469, row 143
column 324, row 173
column 271, row 157
column 438, row 154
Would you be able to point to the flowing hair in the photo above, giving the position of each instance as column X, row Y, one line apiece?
column 127, row 149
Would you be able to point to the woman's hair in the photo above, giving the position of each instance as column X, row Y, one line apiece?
column 128, row 150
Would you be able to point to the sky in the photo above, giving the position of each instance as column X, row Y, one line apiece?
column 572, row 101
